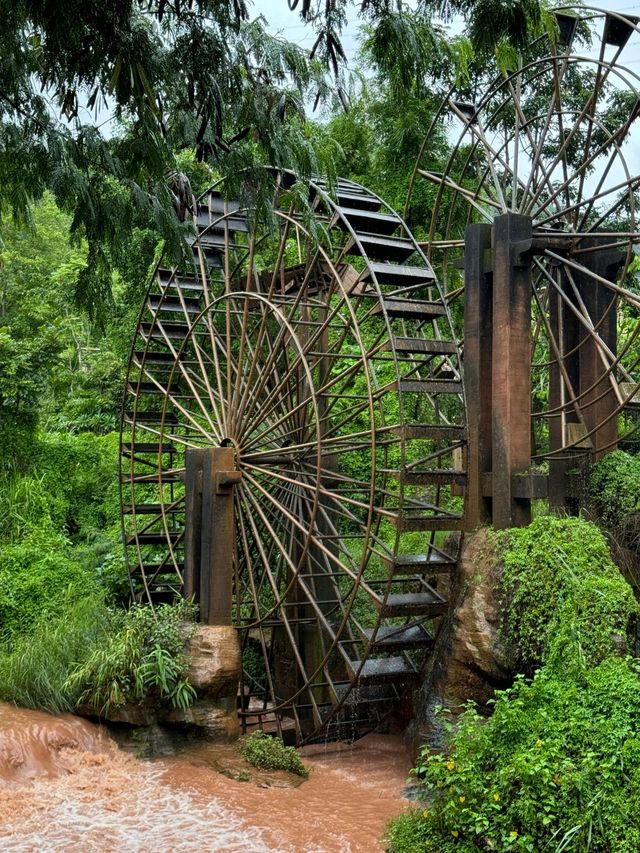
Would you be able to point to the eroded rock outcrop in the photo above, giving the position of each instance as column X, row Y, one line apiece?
column 214, row 671
column 471, row 660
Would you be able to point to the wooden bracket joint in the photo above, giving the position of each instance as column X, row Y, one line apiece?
column 225, row 480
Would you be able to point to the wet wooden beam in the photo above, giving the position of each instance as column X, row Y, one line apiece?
column 478, row 290
column 511, row 378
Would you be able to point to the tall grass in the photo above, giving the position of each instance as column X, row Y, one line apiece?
column 35, row 668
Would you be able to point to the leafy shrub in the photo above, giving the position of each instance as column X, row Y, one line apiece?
column 143, row 657
column 269, row 753
column 79, row 473
column 615, row 486
column 557, row 765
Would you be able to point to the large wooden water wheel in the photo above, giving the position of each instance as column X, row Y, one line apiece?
column 534, row 226
column 298, row 397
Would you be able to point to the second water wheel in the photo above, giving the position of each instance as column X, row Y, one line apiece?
column 314, row 380
column 534, row 222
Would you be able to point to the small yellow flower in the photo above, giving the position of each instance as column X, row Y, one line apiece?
column 451, row 765
column 455, row 833
column 539, row 743
column 426, row 813
column 496, row 797
column 513, row 833
column 462, row 798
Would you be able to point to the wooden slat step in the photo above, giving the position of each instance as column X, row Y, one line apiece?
column 162, row 331
column 436, row 476
column 161, row 568
column 437, row 432
column 430, row 386
column 419, row 346
column 212, row 255
column 150, row 357
column 382, row 248
column 423, row 603
column 131, row 448
column 186, row 305
column 384, row 670
column 631, row 395
column 151, row 417
column 348, row 198
column 389, row 638
column 153, row 478
column 151, row 509
column 410, row 309
column 156, row 538
column 431, row 563
column 214, row 240
column 179, row 281
column 366, row 220
column 419, row 520
column 137, row 388
column 218, row 204
column 232, row 220
column 399, row 274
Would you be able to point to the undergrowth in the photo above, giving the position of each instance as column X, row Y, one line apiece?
column 557, row 765
column 269, row 753
column 35, row 667
column 142, row 658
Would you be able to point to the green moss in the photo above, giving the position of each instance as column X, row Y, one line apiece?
column 268, row 753
column 562, row 594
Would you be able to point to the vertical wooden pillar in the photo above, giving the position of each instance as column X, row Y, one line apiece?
column 478, row 321
column 511, row 368
column 565, row 328
column 209, row 533
column 194, row 459
column 599, row 401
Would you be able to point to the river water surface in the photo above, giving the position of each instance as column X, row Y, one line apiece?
column 66, row 786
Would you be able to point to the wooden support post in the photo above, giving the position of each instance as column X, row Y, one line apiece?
column 193, row 522
column 511, row 368
column 478, row 295
column 209, row 534
column 599, row 401
column 565, row 329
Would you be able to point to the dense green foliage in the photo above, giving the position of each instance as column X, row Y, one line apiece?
column 557, row 765
column 269, row 753
column 615, row 487
column 65, row 637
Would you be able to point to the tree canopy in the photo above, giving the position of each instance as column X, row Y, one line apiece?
column 97, row 100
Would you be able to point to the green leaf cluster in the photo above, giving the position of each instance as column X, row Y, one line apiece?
column 269, row 753
column 563, row 597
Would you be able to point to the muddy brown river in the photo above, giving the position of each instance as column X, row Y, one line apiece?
column 67, row 786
